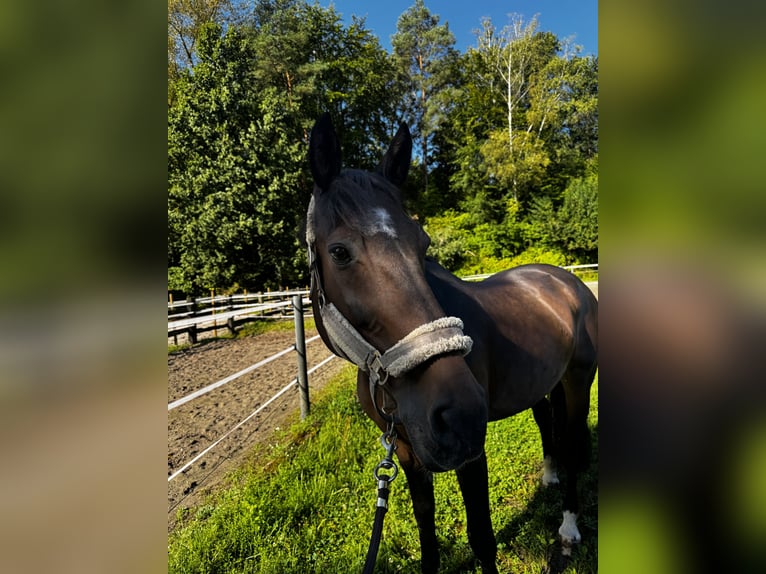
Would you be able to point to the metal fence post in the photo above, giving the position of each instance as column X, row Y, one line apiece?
column 300, row 348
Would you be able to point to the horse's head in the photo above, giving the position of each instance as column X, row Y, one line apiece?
column 374, row 306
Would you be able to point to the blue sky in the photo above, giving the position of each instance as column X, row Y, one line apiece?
column 565, row 18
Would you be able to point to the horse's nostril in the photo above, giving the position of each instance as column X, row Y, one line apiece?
column 458, row 431
column 446, row 421
column 440, row 420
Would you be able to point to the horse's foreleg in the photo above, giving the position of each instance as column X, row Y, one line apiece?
column 421, row 486
column 474, row 485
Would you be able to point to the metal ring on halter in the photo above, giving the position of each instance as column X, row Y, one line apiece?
column 375, row 367
column 320, row 298
column 388, row 440
column 386, row 464
column 390, row 418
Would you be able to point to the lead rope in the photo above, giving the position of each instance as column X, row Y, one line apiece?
column 388, row 440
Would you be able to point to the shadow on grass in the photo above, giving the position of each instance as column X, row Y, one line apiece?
column 529, row 541
column 534, row 531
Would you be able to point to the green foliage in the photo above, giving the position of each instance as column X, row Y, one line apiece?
column 539, row 255
column 244, row 92
column 572, row 227
column 464, row 245
column 528, row 163
column 458, row 243
column 578, row 218
column 237, row 132
column 307, row 501
column 231, row 174
column 524, row 126
column 541, row 226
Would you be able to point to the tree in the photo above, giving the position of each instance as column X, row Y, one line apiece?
column 578, row 219
column 245, row 91
column 232, row 179
column 237, row 137
column 320, row 66
column 423, row 51
column 186, row 18
column 518, row 54
column 523, row 126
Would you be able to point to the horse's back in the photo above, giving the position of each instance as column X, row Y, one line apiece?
column 528, row 323
column 550, row 291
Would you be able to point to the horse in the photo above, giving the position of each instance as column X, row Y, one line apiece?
column 438, row 358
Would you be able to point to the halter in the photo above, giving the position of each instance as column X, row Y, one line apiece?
column 439, row 337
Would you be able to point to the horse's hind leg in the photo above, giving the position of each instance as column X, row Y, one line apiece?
column 571, row 401
column 474, row 485
column 544, row 419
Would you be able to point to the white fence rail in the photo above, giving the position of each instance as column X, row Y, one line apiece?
column 230, row 378
column 287, row 387
column 300, row 381
column 567, row 267
column 247, row 298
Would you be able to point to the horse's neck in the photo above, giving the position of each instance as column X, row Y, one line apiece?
column 444, row 284
column 434, row 269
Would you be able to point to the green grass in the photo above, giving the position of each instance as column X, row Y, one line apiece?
column 306, row 503
column 261, row 326
column 178, row 348
column 586, row 275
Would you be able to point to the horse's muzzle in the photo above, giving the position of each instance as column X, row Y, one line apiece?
column 445, row 414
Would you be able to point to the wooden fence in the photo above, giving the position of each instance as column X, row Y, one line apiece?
column 228, row 312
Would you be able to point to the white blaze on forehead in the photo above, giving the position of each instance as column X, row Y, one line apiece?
column 381, row 222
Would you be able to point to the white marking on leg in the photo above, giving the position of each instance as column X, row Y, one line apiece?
column 569, row 532
column 382, row 223
column 550, row 476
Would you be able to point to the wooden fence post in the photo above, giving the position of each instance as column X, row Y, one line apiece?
column 300, row 348
column 215, row 321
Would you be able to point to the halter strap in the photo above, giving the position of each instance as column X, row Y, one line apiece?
column 438, row 337
column 444, row 335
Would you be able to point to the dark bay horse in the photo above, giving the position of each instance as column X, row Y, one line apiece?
column 439, row 357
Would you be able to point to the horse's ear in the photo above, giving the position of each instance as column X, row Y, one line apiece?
column 396, row 163
column 324, row 152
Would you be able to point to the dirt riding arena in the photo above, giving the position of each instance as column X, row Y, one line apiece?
column 195, row 425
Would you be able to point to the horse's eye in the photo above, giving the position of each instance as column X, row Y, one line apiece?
column 340, row 254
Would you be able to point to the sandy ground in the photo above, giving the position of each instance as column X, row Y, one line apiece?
column 195, row 425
